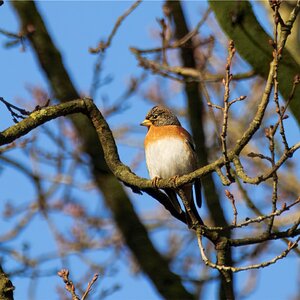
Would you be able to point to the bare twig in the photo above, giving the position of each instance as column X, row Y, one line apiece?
column 262, row 177
column 231, row 51
column 214, row 106
column 269, row 133
column 101, row 48
column 104, row 45
column 291, row 246
column 15, row 38
column 10, row 34
column 192, row 33
column 277, row 54
column 287, row 103
column 12, row 108
column 241, row 98
column 260, row 218
column 64, row 274
column 89, row 287
column 259, row 155
column 232, row 201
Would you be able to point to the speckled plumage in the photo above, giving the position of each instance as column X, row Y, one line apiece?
column 170, row 151
column 162, row 116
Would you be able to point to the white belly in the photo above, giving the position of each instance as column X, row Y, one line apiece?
column 169, row 157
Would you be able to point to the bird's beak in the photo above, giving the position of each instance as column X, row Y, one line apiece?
column 146, row 122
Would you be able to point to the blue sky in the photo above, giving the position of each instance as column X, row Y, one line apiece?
column 76, row 26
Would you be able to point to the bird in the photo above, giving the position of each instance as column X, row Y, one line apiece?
column 170, row 152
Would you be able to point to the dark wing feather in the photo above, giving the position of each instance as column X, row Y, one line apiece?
column 197, row 183
column 198, row 194
column 191, row 144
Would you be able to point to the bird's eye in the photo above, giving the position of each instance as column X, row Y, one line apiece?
column 154, row 117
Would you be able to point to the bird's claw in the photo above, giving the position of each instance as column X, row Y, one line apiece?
column 174, row 181
column 155, row 182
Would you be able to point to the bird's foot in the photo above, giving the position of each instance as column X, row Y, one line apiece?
column 155, row 182
column 173, row 180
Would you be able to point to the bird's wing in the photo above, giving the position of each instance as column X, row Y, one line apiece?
column 190, row 142
column 197, row 183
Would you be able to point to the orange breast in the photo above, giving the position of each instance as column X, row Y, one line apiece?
column 168, row 151
column 174, row 131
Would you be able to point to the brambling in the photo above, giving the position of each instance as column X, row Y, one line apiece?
column 170, row 152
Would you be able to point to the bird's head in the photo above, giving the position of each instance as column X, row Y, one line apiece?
column 160, row 116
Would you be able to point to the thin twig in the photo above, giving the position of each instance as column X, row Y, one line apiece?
column 89, row 287
column 295, row 226
column 259, row 155
column 258, row 219
column 214, row 106
column 276, row 54
column 209, row 263
column 10, row 34
column 15, row 38
column 269, row 133
column 231, row 51
column 21, row 112
column 192, row 33
column 241, row 98
column 100, row 49
column 232, row 201
column 64, row 274
column 256, row 180
column 104, row 45
column 287, row 103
